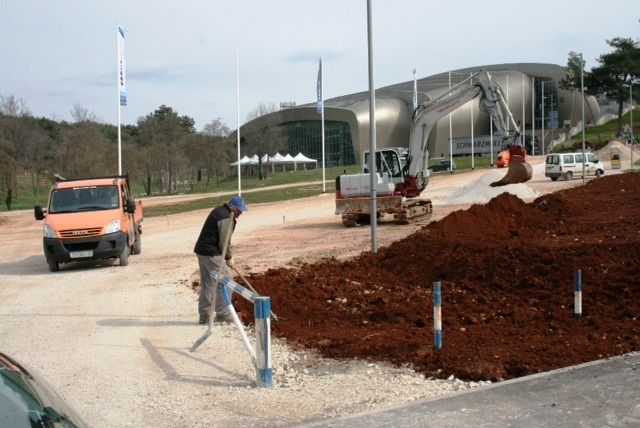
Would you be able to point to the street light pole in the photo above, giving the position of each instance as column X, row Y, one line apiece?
column 633, row 140
column 372, row 137
column 542, row 115
column 584, row 159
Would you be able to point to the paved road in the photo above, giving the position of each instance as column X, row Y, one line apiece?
column 603, row 393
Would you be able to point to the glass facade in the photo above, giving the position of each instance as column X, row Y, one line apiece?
column 551, row 118
column 305, row 137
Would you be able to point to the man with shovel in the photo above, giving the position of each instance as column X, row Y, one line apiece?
column 214, row 239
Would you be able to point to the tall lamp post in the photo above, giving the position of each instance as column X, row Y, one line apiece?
column 584, row 159
column 372, row 135
column 542, row 117
column 633, row 140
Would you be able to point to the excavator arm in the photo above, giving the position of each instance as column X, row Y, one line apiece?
column 428, row 114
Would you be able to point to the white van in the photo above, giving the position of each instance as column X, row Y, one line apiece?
column 566, row 165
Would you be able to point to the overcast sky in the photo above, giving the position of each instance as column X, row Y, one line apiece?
column 183, row 54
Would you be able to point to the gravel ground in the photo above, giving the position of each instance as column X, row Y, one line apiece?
column 114, row 341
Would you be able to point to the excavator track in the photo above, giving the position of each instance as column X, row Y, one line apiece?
column 414, row 211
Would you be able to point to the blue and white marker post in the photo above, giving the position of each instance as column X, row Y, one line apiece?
column 437, row 316
column 262, row 314
column 577, row 293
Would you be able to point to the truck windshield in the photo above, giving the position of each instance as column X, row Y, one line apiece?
column 92, row 198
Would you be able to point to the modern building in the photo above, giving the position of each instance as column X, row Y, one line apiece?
column 531, row 91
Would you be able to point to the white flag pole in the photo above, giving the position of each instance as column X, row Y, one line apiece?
column 321, row 106
column 118, row 101
column 238, row 120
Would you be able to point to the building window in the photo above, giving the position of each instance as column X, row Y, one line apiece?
column 305, row 137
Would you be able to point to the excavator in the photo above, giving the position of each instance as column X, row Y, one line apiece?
column 401, row 174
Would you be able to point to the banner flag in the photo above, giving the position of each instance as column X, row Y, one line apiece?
column 122, row 83
column 319, row 88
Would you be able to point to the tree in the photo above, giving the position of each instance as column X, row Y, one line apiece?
column 12, row 106
column 163, row 136
column 81, row 114
column 615, row 72
column 266, row 137
column 216, row 128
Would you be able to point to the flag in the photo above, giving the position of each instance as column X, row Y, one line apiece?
column 122, row 87
column 319, row 87
column 415, row 90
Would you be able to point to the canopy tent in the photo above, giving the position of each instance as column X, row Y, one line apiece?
column 276, row 159
column 300, row 158
column 244, row 161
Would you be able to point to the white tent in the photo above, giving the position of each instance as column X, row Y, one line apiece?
column 277, row 158
column 300, row 158
column 244, row 161
column 253, row 160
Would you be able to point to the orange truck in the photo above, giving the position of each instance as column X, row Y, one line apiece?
column 90, row 219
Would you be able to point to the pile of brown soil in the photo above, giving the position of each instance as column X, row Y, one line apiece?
column 506, row 270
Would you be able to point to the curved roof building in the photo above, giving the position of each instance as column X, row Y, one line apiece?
column 531, row 91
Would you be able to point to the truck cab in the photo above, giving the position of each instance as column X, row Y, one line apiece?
column 90, row 219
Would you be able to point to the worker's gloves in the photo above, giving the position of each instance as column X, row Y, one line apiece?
column 230, row 263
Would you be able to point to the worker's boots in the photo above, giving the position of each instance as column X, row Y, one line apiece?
column 204, row 319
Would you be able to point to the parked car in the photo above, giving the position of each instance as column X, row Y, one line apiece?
column 442, row 165
column 27, row 401
column 566, row 165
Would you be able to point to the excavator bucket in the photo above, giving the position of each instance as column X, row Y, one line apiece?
column 519, row 171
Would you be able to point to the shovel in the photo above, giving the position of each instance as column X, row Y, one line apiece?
column 275, row 317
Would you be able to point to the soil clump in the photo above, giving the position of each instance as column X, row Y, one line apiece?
column 506, row 269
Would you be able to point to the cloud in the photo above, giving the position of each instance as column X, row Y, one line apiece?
column 155, row 74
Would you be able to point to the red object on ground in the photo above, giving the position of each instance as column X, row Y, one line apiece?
column 506, row 269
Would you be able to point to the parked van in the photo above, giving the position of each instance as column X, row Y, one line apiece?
column 566, row 165
column 89, row 219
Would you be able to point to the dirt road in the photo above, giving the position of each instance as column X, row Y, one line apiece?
column 114, row 341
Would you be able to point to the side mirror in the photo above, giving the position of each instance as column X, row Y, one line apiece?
column 130, row 206
column 38, row 212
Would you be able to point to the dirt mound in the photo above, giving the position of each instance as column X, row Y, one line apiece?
column 506, row 269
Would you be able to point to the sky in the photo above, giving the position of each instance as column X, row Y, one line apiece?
column 183, row 54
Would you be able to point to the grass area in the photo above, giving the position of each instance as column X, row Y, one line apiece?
column 27, row 200
column 251, row 198
column 464, row 162
column 597, row 137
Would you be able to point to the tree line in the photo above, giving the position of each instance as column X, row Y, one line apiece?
column 163, row 150
column 616, row 75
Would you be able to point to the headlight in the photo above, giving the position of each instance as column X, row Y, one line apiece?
column 48, row 232
column 114, row 226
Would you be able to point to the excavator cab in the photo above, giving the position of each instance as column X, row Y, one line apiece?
column 391, row 161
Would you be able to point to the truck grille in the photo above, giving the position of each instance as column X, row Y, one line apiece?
column 81, row 233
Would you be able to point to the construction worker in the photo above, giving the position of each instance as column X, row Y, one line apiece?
column 217, row 230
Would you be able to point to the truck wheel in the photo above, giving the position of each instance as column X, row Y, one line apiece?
column 598, row 172
column 137, row 246
column 568, row 176
column 554, row 178
column 53, row 265
column 124, row 256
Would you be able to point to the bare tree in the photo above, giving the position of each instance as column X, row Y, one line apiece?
column 262, row 109
column 82, row 114
column 216, row 128
column 12, row 106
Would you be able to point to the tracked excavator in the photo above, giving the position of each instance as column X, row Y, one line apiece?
column 401, row 175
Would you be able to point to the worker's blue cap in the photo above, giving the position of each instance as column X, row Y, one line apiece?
column 238, row 202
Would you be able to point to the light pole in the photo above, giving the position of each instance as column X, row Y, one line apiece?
column 450, row 133
column 542, row 116
column 633, row 140
column 584, row 159
column 372, row 136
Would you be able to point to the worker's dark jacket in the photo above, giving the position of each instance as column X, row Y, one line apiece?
column 208, row 243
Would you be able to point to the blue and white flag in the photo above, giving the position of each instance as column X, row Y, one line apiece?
column 122, row 81
column 319, row 87
column 415, row 90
